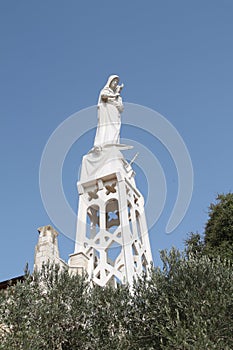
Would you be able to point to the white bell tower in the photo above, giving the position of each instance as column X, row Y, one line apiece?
column 112, row 242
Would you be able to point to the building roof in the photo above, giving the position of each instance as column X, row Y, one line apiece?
column 11, row 282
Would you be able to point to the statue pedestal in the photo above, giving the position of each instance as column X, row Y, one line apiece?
column 111, row 229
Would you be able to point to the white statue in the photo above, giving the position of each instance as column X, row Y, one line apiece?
column 110, row 107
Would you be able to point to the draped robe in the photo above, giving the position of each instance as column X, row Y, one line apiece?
column 109, row 117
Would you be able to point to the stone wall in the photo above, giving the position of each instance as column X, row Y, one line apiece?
column 47, row 250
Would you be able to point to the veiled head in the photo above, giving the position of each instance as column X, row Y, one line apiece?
column 113, row 81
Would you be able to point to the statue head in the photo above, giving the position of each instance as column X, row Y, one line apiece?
column 113, row 81
column 114, row 84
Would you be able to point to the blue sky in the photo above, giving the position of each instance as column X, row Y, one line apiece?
column 173, row 56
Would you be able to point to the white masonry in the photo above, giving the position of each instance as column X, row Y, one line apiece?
column 112, row 242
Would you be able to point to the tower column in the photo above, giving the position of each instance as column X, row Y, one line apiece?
column 111, row 240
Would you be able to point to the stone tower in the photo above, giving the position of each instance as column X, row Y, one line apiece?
column 46, row 249
column 112, row 242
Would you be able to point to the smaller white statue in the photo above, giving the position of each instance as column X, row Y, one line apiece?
column 110, row 107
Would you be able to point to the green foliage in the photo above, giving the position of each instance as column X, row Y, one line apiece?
column 44, row 311
column 194, row 245
column 109, row 315
column 219, row 228
column 218, row 235
column 188, row 305
column 185, row 305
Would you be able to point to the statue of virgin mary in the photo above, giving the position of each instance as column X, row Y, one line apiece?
column 110, row 107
